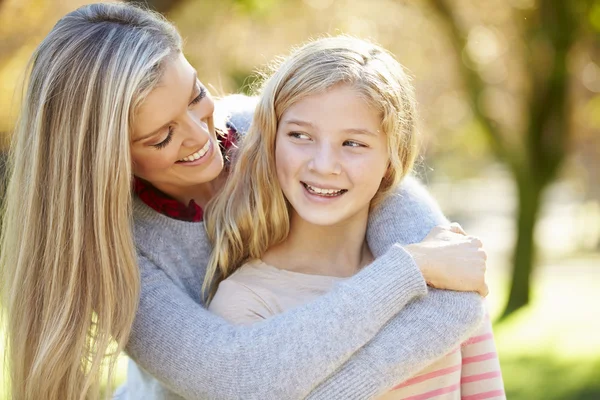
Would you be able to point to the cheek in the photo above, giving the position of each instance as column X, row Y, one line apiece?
column 369, row 172
column 152, row 161
column 286, row 161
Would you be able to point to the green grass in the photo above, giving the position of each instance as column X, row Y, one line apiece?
column 549, row 350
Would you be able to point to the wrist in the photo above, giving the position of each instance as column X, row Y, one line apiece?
column 421, row 261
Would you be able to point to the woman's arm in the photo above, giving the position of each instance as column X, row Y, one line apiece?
column 426, row 329
column 198, row 355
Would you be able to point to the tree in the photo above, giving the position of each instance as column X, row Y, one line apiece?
column 162, row 6
column 535, row 161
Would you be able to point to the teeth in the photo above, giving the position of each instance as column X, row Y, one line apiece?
column 198, row 154
column 326, row 192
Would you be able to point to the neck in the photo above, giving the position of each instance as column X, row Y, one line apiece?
column 336, row 250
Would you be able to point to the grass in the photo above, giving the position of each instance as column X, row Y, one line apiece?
column 549, row 350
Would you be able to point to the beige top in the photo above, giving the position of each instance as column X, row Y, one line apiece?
column 258, row 291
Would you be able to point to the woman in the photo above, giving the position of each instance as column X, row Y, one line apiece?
column 88, row 267
column 342, row 141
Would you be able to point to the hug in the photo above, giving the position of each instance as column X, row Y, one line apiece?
column 282, row 252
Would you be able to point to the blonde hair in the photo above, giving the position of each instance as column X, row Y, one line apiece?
column 251, row 213
column 70, row 280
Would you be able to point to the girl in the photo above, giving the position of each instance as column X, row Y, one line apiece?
column 335, row 133
column 103, row 245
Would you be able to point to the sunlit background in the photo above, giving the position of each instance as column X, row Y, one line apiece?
column 509, row 102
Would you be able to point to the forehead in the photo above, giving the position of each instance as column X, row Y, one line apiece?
column 166, row 100
column 341, row 107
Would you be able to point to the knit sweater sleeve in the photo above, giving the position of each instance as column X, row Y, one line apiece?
column 198, row 355
column 426, row 329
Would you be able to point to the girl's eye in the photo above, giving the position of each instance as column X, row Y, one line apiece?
column 351, row 143
column 165, row 142
column 298, row 135
column 201, row 95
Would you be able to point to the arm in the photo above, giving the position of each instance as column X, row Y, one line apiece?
column 405, row 217
column 426, row 329
column 199, row 355
column 481, row 376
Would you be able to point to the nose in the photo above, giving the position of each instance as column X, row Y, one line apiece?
column 196, row 131
column 325, row 160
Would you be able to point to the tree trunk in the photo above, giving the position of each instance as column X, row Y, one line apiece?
column 529, row 192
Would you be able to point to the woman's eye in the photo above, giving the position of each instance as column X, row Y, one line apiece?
column 298, row 135
column 165, row 142
column 351, row 143
column 201, row 95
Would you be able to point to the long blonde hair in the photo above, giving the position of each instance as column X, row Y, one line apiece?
column 70, row 281
column 251, row 213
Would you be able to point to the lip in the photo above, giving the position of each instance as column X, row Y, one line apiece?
column 201, row 160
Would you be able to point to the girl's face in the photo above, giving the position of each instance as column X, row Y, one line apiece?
column 174, row 145
column 331, row 156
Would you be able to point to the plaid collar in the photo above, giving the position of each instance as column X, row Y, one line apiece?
column 167, row 205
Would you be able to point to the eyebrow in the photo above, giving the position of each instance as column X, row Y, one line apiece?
column 154, row 132
column 310, row 125
column 360, row 131
column 298, row 122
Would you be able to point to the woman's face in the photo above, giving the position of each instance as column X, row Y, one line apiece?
column 330, row 156
column 173, row 144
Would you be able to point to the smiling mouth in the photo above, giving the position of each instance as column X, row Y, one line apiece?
column 197, row 155
column 322, row 191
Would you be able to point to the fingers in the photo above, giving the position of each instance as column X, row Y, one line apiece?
column 484, row 290
column 476, row 241
column 482, row 253
column 456, row 228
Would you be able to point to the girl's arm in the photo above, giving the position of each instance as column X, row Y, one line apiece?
column 481, row 376
column 198, row 355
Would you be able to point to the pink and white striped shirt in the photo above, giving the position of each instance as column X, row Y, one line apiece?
column 258, row 291
column 471, row 372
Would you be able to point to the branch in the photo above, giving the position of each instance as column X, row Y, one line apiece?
column 473, row 83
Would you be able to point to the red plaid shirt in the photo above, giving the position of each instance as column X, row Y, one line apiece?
column 165, row 204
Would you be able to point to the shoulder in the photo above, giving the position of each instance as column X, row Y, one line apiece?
column 413, row 195
column 409, row 212
column 237, row 110
column 239, row 300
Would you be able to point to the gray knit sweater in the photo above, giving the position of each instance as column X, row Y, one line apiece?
column 370, row 332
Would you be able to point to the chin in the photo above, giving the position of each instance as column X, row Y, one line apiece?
column 321, row 219
column 211, row 171
column 209, row 175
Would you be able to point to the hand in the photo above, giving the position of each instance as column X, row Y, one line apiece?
column 450, row 259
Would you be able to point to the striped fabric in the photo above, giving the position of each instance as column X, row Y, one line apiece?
column 469, row 373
